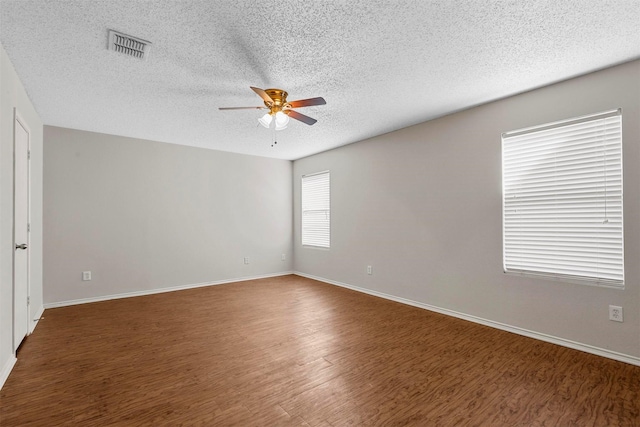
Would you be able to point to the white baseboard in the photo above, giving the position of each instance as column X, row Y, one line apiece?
column 8, row 366
column 6, row 369
column 159, row 290
column 514, row 329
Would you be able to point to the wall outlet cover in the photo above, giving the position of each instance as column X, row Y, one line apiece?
column 615, row 313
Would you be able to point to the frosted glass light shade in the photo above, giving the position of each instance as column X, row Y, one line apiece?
column 282, row 120
column 265, row 120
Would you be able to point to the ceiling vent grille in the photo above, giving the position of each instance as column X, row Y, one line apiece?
column 128, row 45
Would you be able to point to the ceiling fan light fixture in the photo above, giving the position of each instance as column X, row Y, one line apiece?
column 265, row 120
column 282, row 120
column 280, row 110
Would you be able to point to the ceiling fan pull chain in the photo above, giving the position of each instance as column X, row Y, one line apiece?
column 273, row 136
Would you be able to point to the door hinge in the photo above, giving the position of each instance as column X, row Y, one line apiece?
column 28, row 300
column 29, row 154
column 28, row 227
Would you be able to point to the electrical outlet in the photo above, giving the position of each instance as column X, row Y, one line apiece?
column 246, row 260
column 284, row 257
column 369, row 269
column 615, row 313
column 86, row 275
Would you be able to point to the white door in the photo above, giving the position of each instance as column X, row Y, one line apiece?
column 20, row 233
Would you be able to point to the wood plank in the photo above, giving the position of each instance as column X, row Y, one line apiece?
column 291, row 351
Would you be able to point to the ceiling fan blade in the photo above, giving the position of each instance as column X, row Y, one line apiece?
column 242, row 108
column 301, row 117
column 262, row 94
column 307, row 102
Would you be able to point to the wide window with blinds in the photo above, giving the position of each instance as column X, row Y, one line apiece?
column 562, row 200
column 316, row 212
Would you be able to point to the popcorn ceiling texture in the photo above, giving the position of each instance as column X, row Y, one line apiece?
column 380, row 65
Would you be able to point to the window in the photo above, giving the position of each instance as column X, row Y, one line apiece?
column 316, row 212
column 562, row 200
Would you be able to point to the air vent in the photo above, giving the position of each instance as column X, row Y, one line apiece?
column 128, row 45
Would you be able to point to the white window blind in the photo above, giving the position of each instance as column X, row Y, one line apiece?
column 562, row 200
column 316, row 212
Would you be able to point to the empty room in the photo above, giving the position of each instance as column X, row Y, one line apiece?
column 338, row 213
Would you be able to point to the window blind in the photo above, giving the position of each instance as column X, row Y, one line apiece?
column 562, row 200
column 316, row 213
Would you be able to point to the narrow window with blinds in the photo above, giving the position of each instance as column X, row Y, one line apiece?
column 562, row 200
column 316, row 212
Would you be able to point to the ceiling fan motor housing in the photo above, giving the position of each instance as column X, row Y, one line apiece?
column 279, row 98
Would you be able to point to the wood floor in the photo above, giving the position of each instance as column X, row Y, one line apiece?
column 289, row 351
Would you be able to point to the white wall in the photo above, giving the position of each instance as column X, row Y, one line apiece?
column 13, row 95
column 422, row 205
column 144, row 215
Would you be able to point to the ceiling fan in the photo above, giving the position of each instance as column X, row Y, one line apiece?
column 275, row 100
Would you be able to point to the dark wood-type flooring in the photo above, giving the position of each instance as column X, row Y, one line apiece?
column 289, row 351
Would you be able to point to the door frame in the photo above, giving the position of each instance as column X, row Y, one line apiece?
column 18, row 120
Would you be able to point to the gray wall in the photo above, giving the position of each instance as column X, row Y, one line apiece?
column 422, row 206
column 144, row 215
column 13, row 95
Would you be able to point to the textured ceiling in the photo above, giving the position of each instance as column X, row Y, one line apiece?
column 380, row 65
